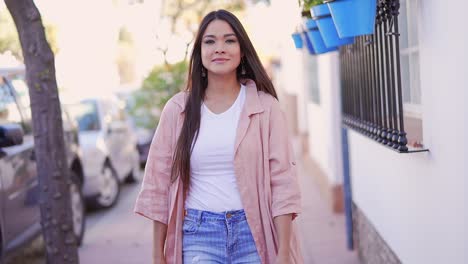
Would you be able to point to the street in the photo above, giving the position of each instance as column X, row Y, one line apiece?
column 117, row 235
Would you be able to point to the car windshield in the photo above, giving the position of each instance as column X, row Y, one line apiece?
column 86, row 115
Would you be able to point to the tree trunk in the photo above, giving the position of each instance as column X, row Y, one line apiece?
column 54, row 181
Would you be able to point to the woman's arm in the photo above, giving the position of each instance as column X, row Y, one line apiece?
column 159, row 237
column 153, row 199
column 285, row 191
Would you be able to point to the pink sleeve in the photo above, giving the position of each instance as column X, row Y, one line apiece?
column 285, row 191
column 152, row 201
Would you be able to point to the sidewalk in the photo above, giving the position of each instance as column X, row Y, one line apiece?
column 118, row 236
column 323, row 232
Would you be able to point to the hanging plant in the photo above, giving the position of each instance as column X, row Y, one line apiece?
column 353, row 17
column 298, row 43
column 321, row 15
column 307, row 5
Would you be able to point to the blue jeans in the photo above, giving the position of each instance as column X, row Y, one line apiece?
column 223, row 238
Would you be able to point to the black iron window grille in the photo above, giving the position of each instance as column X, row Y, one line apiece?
column 371, row 81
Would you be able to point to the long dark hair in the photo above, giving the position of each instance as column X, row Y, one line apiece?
column 196, row 87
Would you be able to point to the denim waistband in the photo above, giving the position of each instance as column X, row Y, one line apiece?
column 199, row 216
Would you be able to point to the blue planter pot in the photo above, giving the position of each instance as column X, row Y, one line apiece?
column 321, row 15
column 297, row 40
column 309, row 45
column 353, row 17
column 316, row 39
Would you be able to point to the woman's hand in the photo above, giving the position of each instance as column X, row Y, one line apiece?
column 160, row 260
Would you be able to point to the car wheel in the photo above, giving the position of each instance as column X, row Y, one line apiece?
column 78, row 208
column 135, row 175
column 110, row 188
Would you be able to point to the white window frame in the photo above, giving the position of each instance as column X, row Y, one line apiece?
column 411, row 109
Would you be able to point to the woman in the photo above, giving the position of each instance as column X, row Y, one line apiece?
column 220, row 182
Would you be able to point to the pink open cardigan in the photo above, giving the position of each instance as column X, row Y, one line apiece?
column 264, row 166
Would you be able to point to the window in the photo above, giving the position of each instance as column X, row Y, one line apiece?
column 377, row 81
column 86, row 115
column 21, row 90
column 9, row 112
column 409, row 54
column 22, row 96
column 410, row 78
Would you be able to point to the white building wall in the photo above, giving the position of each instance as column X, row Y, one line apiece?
column 299, row 78
column 324, row 119
column 418, row 202
column 335, row 163
column 318, row 135
column 286, row 17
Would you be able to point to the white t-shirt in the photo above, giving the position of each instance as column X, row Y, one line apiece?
column 213, row 185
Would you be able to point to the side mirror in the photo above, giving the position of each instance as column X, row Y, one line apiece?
column 11, row 135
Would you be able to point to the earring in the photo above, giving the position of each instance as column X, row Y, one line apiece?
column 243, row 72
column 203, row 73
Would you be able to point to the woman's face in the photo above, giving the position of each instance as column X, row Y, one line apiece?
column 220, row 49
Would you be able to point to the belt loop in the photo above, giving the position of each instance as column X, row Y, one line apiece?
column 199, row 217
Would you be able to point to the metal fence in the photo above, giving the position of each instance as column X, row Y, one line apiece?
column 371, row 81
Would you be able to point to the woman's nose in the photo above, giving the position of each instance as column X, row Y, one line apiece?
column 220, row 48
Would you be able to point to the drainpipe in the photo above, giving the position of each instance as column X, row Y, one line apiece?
column 347, row 189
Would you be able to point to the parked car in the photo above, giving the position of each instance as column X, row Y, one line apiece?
column 143, row 145
column 110, row 156
column 19, row 188
column 144, row 135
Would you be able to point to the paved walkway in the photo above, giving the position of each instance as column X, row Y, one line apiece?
column 120, row 237
column 323, row 232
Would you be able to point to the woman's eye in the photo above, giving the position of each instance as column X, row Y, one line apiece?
column 231, row 41
column 210, row 41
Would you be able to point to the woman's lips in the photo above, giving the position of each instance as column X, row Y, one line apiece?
column 219, row 60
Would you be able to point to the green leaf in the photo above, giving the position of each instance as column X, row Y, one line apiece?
column 307, row 4
column 162, row 83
